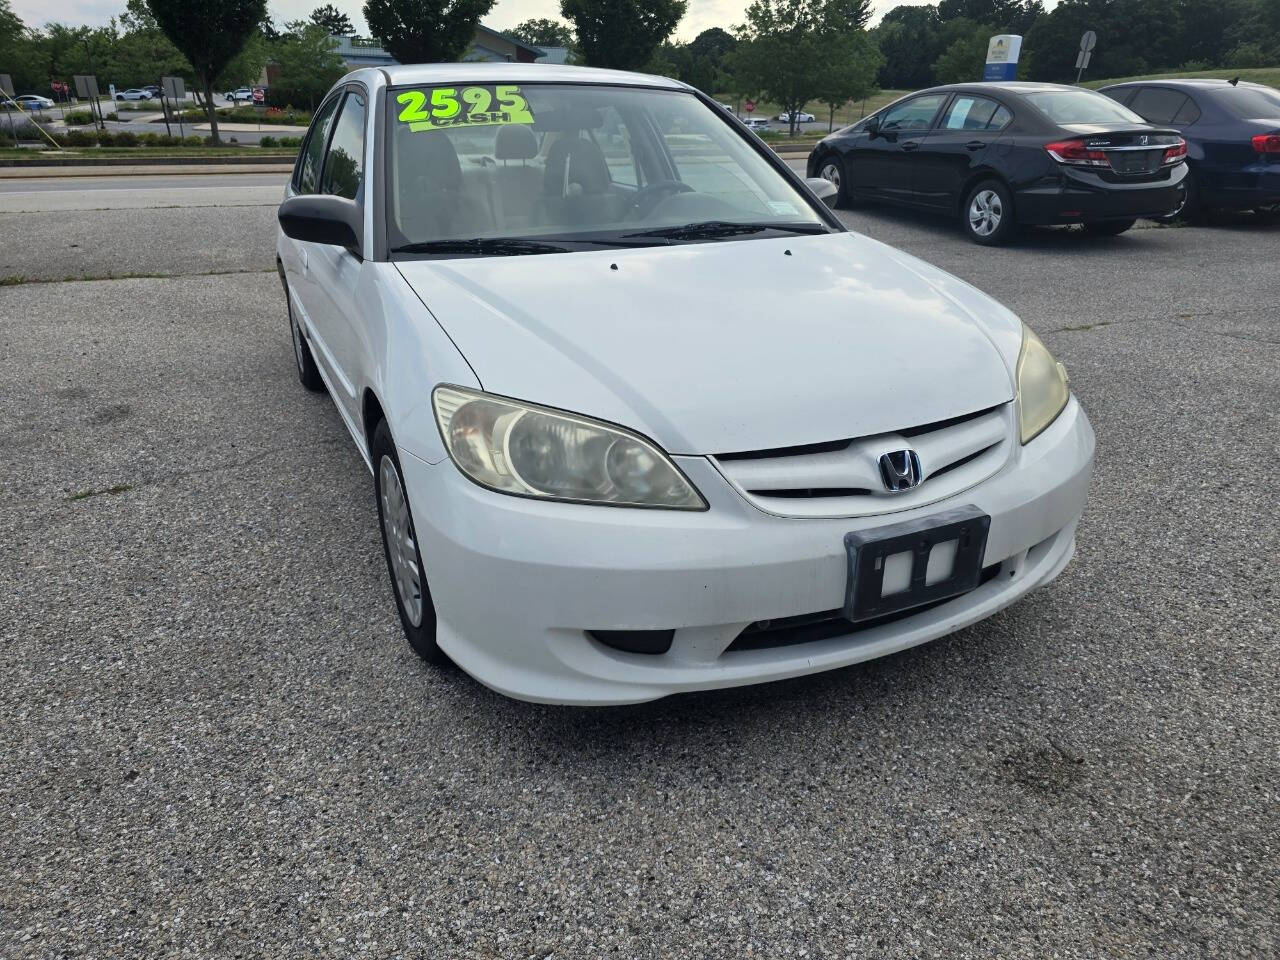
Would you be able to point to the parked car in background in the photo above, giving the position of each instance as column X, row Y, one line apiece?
column 133, row 93
column 584, row 510
column 32, row 101
column 800, row 117
column 152, row 91
column 239, row 95
column 1232, row 131
column 997, row 155
column 729, row 107
column 757, row 123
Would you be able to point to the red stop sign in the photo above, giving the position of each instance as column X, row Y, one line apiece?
column 750, row 106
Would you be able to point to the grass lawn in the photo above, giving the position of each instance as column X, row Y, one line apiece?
column 849, row 113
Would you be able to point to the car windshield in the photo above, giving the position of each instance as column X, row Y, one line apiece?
column 1081, row 106
column 1253, row 103
column 574, row 164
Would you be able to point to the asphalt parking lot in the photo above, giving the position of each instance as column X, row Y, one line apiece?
column 217, row 744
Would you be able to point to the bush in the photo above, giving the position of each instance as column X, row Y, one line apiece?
column 268, row 141
column 126, row 138
column 294, row 142
column 1247, row 55
column 105, row 138
column 112, row 116
column 79, row 138
column 76, row 118
column 193, row 142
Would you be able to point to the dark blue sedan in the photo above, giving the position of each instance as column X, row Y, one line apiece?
column 1232, row 132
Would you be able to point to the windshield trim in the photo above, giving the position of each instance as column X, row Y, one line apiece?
column 386, row 131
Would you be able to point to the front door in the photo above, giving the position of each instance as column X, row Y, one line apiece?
column 882, row 161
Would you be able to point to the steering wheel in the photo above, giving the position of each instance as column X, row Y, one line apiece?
column 646, row 198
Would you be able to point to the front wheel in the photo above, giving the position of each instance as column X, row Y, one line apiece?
column 1108, row 228
column 988, row 213
column 831, row 168
column 400, row 545
column 308, row 372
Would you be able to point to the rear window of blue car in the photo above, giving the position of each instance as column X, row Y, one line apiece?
column 1253, row 103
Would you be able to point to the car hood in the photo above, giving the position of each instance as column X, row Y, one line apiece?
column 729, row 347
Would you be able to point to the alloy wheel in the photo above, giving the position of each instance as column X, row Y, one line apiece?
column 831, row 173
column 397, row 528
column 985, row 213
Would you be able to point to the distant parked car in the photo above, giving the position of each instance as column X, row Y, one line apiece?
column 153, row 92
column 1232, row 131
column 242, row 94
column 729, row 107
column 801, row 117
column 33, row 101
column 757, row 123
column 133, row 93
column 1001, row 154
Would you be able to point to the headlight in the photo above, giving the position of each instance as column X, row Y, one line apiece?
column 1042, row 386
column 533, row 451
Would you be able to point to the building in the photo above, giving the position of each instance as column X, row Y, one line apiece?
column 489, row 45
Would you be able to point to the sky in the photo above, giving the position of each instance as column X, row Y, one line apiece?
column 506, row 13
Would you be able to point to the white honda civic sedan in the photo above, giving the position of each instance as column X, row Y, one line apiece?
column 642, row 416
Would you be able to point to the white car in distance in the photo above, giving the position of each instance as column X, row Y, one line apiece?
column 605, row 468
column 801, row 117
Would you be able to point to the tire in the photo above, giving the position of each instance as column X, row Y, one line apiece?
column 400, row 547
column 988, row 215
column 1108, row 228
column 834, row 170
column 308, row 372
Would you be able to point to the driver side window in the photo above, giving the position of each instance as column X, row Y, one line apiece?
column 915, row 114
column 307, row 177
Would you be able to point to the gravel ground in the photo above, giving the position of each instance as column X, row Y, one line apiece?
column 217, row 744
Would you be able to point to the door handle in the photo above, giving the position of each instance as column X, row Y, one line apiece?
column 910, row 144
column 306, row 261
column 975, row 145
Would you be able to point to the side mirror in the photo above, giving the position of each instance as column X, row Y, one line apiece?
column 322, row 218
column 824, row 190
column 873, row 126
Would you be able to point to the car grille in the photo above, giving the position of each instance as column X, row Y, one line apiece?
column 842, row 478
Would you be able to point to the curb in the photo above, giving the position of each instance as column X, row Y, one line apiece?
column 138, row 170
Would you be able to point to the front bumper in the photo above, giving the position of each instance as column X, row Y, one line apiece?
column 518, row 583
column 1071, row 196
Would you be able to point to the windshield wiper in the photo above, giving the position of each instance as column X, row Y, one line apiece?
column 710, row 229
column 483, row 247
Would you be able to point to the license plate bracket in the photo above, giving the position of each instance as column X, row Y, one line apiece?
column 869, row 554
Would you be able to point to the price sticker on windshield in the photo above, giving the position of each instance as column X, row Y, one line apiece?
column 444, row 108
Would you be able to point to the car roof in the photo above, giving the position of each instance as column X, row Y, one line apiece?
column 1193, row 83
column 488, row 72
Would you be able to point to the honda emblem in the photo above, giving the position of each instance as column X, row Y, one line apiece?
column 900, row 470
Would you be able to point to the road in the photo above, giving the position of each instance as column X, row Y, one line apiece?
column 218, row 744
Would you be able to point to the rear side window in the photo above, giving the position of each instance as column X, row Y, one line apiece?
column 344, row 162
column 1158, row 104
column 915, row 114
column 308, row 176
column 974, row 114
column 1189, row 112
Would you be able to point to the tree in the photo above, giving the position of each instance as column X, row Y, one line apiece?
column 541, row 32
column 908, row 37
column 793, row 51
column 425, row 31
column 964, row 57
column 209, row 33
column 623, row 34
column 852, row 60
column 334, row 21
column 848, row 13
column 307, row 64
